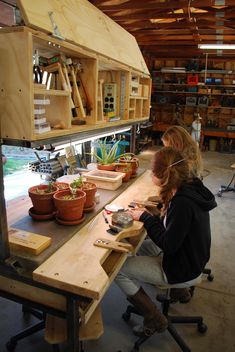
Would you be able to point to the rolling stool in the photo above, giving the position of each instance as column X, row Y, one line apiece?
column 210, row 276
column 228, row 188
column 165, row 301
column 11, row 344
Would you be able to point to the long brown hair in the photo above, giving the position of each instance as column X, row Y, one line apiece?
column 178, row 138
column 171, row 170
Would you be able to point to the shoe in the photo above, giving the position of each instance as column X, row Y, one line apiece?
column 181, row 295
column 154, row 320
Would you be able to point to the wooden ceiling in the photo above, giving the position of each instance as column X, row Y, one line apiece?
column 165, row 28
column 174, row 28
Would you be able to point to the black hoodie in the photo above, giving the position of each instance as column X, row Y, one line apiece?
column 186, row 237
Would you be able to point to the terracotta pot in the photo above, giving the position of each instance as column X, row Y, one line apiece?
column 42, row 202
column 69, row 209
column 126, row 169
column 90, row 194
column 108, row 167
column 61, row 185
column 134, row 162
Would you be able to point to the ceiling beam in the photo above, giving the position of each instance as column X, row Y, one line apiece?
column 151, row 5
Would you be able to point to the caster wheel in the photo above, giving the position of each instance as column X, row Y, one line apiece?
column 202, row 328
column 126, row 316
column 210, row 277
column 10, row 346
column 191, row 290
column 219, row 194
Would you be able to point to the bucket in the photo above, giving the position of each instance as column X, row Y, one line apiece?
column 212, row 145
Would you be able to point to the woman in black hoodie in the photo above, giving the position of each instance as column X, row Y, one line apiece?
column 179, row 241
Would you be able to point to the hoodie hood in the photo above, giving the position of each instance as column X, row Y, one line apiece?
column 200, row 194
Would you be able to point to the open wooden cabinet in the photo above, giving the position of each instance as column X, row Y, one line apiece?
column 70, row 69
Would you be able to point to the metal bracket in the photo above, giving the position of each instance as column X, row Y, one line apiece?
column 56, row 32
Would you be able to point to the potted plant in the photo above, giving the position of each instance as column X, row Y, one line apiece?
column 42, row 198
column 88, row 187
column 131, row 159
column 107, row 155
column 126, row 169
column 69, row 205
column 61, row 185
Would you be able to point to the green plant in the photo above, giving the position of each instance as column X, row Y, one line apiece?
column 77, row 183
column 108, row 155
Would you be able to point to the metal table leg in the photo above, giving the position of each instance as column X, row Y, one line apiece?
column 73, row 325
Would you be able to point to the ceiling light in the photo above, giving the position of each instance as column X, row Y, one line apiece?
column 217, row 46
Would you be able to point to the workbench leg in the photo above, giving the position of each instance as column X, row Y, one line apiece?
column 73, row 325
column 4, row 245
column 133, row 139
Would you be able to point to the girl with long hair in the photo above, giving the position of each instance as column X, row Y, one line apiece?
column 179, row 139
column 178, row 244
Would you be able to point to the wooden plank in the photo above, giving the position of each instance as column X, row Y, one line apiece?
column 16, row 82
column 79, row 255
column 34, row 294
column 82, row 23
column 56, row 329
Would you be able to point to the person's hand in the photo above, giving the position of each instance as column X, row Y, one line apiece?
column 136, row 213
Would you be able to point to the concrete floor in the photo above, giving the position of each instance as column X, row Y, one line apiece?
column 214, row 300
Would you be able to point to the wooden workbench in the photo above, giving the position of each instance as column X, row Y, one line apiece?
column 17, row 215
column 78, row 274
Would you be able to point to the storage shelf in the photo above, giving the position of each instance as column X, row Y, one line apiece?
column 199, row 85
column 54, row 92
column 195, row 106
column 183, row 92
column 195, row 72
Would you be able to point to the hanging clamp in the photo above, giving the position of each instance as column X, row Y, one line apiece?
column 138, row 129
column 56, row 33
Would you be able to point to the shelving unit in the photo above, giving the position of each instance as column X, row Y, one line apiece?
column 78, row 70
column 214, row 102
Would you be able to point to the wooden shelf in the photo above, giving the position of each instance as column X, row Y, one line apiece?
column 61, row 93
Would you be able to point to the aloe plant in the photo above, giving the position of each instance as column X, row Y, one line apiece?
column 108, row 156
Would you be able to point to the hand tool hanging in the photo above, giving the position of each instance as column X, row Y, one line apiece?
column 56, row 67
column 37, row 74
column 77, row 96
column 78, row 74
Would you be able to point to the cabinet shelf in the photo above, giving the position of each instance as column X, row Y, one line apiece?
column 61, row 93
column 197, row 93
column 208, row 72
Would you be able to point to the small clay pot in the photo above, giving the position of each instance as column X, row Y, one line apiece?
column 126, row 169
column 134, row 162
column 61, row 185
column 42, row 202
column 108, row 167
column 90, row 189
column 69, row 208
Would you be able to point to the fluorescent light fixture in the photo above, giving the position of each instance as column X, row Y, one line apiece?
column 217, row 46
column 92, row 138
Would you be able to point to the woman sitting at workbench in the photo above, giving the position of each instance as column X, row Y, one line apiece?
column 178, row 246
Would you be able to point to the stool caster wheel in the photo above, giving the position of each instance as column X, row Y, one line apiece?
column 10, row 346
column 210, row 277
column 126, row 316
column 202, row 328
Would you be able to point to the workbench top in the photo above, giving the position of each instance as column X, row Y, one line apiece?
column 17, row 214
column 82, row 268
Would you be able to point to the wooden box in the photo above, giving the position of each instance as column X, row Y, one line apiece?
column 105, row 179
